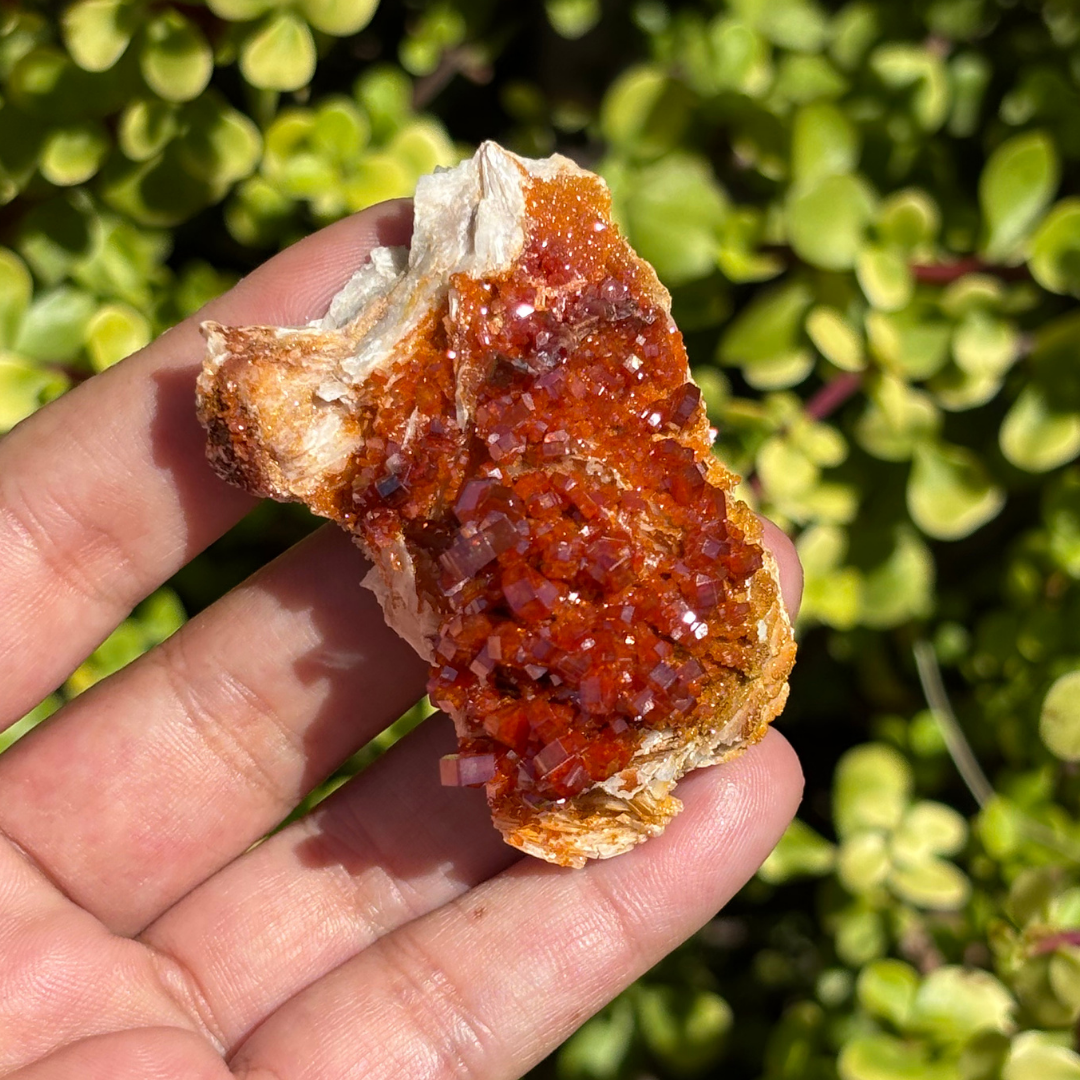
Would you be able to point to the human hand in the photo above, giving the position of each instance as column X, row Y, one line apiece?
column 390, row 933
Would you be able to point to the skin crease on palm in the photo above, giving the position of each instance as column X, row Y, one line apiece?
column 388, row 934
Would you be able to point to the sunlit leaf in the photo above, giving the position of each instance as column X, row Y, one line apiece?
column 1055, row 249
column 96, row 32
column 827, row 220
column 1059, row 718
column 1016, row 186
column 949, row 494
column 279, row 54
column 871, row 789
column 175, row 59
column 338, row 17
column 114, row 332
column 1035, row 435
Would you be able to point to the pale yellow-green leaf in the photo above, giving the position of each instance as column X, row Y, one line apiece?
column 863, row 861
column 949, row 494
column 1055, row 249
column 338, row 17
column 928, row 828
column 16, row 289
column 1059, row 719
column 800, row 852
column 886, row 989
column 146, row 128
column 871, row 789
column 884, row 277
column 175, row 59
column 1034, row 1057
column 930, row 883
column 24, row 386
column 114, row 332
column 954, row 1003
column 823, row 143
column 1016, row 186
column 827, row 219
column 897, row 419
column 279, row 53
column 97, row 32
column 901, row 587
column 835, row 338
column 73, row 154
column 909, row 220
column 1037, row 437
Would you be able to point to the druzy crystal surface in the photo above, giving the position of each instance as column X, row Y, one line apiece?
column 532, row 466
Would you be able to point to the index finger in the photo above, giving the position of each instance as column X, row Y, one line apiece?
column 105, row 493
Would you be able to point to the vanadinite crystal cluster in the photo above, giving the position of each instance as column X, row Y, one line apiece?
column 508, row 428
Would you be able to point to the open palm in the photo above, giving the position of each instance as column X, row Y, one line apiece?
column 389, row 933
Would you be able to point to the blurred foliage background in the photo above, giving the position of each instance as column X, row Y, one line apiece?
column 868, row 215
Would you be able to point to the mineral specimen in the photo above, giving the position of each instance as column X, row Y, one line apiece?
column 503, row 419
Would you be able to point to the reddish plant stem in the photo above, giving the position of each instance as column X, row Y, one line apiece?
column 944, row 273
column 832, row 395
column 1052, row 941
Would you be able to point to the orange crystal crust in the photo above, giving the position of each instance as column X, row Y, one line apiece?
column 545, row 461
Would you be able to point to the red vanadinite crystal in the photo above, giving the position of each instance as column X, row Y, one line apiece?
column 589, row 580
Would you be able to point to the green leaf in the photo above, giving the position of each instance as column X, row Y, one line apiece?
column 71, row 155
column 949, row 494
column 342, row 132
column 279, row 54
column 740, row 57
column 835, row 338
column 683, row 1027
column 827, row 220
column 1037, row 437
column 897, row 419
column 913, row 343
column 884, row 277
column 377, row 177
column 881, row 1057
column 54, row 326
column 673, row 213
column 908, row 220
column 599, row 1048
column 766, row 335
column 24, row 388
column 97, row 32
column 644, row 112
column 823, row 143
column 953, row 1003
column 931, row 883
column 422, row 146
column 800, row 25
column 863, row 862
column 54, row 236
column 920, row 72
column 986, row 345
column 147, row 127
column 114, row 332
column 572, row 19
column 338, row 17
column 801, row 852
column 1055, row 249
column 886, row 989
column 1034, row 1057
column 16, row 289
column 929, row 828
column 176, row 61
column 385, row 93
column 871, row 789
column 901, row 587
column 1059, row 719
column 1016, row 186
column 221, row 144
column 241, row 10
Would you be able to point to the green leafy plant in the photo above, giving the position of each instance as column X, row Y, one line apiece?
column 868, row 216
